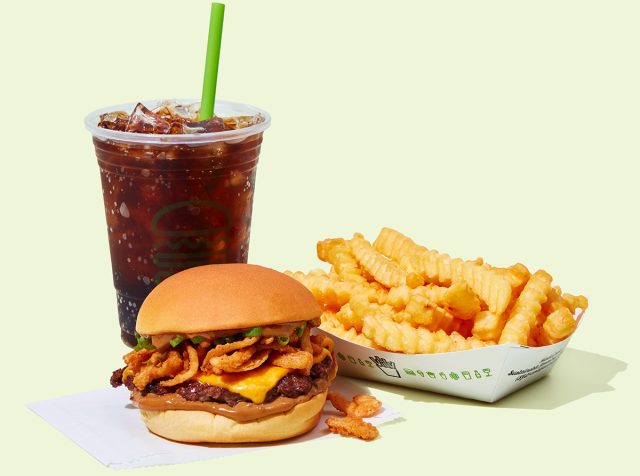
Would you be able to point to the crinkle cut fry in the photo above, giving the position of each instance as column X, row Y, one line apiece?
column 526, row 308
column 336, row 251
column 332, row 325
column 395, row 245
column 459, row 298
column 349, row 319
column 491, row 286
column 488, row 326
column 425, row 313
column 383, row 270
column 418, row 310
column 325, row 289
column 554, row 301
column 398, row 336
column 403, row 337
column 558, row 326
column 575, row 302
column 518, row 275
column 331, row 292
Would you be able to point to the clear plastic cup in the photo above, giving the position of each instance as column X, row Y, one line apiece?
column 174, row 201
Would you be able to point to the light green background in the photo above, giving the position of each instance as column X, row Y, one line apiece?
column 507, row 130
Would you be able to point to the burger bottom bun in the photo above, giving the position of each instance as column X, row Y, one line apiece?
column 201, row 426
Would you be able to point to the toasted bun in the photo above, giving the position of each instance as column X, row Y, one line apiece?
column 201, row 427
column 224, row 296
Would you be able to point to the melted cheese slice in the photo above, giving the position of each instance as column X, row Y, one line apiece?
column 252, row 384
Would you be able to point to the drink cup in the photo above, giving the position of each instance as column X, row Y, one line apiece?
column 174, row 201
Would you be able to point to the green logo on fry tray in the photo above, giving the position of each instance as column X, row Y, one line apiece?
column 390, row 369
column 387, row 367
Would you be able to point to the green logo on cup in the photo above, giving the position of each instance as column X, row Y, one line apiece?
column 183, row 242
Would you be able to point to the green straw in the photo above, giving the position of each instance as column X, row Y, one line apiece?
column 211, row 64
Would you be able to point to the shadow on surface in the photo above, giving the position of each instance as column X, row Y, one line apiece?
column 577, row 374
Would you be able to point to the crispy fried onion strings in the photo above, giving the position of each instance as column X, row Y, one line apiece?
column 134, row 361
column 299, row 360
column 305, row 341
column 319, row 353
column 323, row 341
column 158, row 367
column 178, row 366
column 190, row 368
column 278, row 347
column 241, row 360
column 222, row 349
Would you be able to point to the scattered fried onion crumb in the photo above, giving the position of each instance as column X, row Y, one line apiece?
column 350, row 426
column 339, row 402
column 362, row 406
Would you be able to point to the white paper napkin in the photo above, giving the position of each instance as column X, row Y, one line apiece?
column 105, row 424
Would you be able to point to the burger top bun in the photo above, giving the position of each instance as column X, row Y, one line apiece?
column 220, row 297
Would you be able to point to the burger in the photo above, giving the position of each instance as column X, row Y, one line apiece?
column 225, row 355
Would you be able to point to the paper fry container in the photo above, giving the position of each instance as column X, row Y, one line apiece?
column 485, row 374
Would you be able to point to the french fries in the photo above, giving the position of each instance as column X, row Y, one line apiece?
column 491, row 286
column 385, row 271
column 396, row 295
column 338, row 253
column 526, row 309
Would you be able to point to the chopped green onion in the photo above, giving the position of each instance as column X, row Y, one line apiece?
column 283, row 340
column 300, row 330
column 223, row 340
column 253, row 332
column 197, row 339
column 143, row 343
column 176, row 341
column 227, row 339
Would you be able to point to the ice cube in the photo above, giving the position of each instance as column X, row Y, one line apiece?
column 145, row 121
column 177, row 126
column 173, row 110
column 215, row 124
column 116, row 120
column 240, row 122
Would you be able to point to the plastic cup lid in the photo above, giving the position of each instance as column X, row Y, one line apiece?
column 223, row 109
